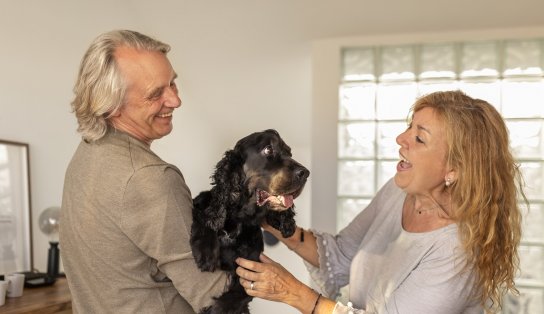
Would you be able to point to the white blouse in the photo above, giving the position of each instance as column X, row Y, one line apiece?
column 390, row 270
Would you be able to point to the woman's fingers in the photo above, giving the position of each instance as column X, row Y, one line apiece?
column 266, row 279
column 253, row 265
column 248, row 284
column 244, row 262
column 258, row 274
column 252, row 270
column 266, row 259
column 246, row 274
column 249, row 264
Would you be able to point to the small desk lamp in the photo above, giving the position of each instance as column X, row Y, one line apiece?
column 49, row 224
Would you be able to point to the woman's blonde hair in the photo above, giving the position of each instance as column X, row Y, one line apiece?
column 486, row 192
column 100, row 88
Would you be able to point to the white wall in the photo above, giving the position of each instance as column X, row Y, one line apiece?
column 243, row 65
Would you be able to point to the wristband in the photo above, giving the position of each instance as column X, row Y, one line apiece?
column 301, row 240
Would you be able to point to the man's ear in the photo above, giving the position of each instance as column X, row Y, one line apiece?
column 115, row 113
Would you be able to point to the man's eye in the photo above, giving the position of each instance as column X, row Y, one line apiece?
column 174, row 86
column 268, row 150
column 155, row 96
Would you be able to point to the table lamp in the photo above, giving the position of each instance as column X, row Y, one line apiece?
column 49, row 225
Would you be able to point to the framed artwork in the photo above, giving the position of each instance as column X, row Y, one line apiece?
column 15, row 211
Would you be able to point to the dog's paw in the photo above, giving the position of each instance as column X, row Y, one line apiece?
column 283, row 221
column 288, row 229
column 205, row 248
column 204, row 263
column 206, row 258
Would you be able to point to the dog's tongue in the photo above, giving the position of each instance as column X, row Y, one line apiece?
column 285, row 200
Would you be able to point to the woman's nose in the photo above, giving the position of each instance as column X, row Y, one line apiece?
column 400, row 138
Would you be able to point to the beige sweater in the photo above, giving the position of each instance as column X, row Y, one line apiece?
column 124, row 232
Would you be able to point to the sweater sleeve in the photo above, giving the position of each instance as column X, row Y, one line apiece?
column 158, row 220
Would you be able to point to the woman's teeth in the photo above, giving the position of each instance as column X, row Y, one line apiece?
column 165, row 115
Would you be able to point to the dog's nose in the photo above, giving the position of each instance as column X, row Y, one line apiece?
column 302, row 173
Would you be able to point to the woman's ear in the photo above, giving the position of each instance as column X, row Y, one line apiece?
column 450, row 178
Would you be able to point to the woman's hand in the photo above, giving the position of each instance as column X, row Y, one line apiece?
column 272, row 230
column 271, row 281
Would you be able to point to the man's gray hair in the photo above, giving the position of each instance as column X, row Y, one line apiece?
column 100, row 88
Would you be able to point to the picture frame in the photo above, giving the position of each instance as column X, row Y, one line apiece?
column 15, row 208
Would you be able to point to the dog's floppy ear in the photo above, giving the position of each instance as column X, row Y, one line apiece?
column 228, row 171
column 227, row 180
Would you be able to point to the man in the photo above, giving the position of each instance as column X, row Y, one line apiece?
column 126, row 214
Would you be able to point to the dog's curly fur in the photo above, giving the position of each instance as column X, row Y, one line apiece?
column 256, row 180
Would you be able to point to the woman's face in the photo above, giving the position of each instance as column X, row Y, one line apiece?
column 422, row 168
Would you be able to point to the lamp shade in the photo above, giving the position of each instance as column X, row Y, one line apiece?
column 49, row 220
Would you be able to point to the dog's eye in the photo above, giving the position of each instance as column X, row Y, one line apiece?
column 268, row 150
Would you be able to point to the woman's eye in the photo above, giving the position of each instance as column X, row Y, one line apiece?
column 418, row 139
column 267, row 151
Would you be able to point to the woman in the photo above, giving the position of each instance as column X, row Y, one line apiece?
column 441, row 237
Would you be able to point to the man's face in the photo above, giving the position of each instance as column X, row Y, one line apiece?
column 151, row 96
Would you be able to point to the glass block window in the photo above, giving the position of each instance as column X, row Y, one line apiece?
column 378, row 86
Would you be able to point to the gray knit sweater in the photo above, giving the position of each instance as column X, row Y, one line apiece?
column 124, row 237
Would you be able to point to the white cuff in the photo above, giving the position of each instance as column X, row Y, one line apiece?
column 340, row 308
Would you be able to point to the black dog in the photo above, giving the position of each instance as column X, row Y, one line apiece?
column 256, row 180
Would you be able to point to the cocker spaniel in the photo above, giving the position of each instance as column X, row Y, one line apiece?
column 256, row 181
